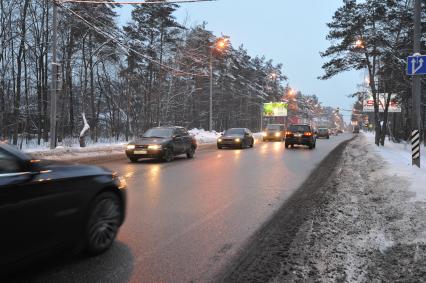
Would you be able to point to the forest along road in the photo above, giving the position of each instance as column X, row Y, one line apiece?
column 187, row 219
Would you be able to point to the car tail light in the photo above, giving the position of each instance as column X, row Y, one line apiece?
column 288, row 133
column 308, row 134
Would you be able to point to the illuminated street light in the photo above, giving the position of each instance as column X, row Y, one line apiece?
column 359, row 43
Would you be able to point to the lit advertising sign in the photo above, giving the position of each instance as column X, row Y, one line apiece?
column 394, row 107
column 275, row 109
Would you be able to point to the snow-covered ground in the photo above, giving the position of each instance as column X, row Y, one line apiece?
column 70, row 149
column 204, row 137
column 364, row 222
column 398, row 157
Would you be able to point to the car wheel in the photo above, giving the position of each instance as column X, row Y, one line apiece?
column 168, row 155
column 219, row 147
column 252, row 143
column 134, row 159
column 287, row 145
column 190, row 153
column 103, row 224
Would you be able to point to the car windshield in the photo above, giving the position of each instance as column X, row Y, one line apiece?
column 158, row 133
column 273, row 127
column 234, row 132
column 322, row 130
column 300, row 128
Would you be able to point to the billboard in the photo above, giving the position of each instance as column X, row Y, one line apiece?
column 394, row 107
column 275, row 109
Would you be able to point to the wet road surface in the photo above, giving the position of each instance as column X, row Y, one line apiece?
column 186, row 219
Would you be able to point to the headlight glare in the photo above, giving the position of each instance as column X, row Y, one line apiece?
column 155, row 147
column 131, row 146
column 237, row 140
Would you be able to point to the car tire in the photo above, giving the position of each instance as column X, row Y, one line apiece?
column 105, row 217
column 252, row 143
column 287, row 145
column 168, row 155
column 190, row 153
column 133, row 159
column 219, row 147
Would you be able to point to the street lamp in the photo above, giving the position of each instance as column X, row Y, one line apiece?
column 359, row 44
column 220, row 45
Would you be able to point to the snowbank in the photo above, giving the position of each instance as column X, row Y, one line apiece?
column 398, row 157
column 71, row 150
column 204, row 137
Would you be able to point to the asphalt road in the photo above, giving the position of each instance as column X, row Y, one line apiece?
column 188, row 218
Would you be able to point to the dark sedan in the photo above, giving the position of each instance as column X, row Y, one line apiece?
column 300, row 135
column 49, row 206
column 162, row 143
column 237, row 137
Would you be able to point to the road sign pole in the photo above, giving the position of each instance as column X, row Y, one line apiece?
column 415, row 119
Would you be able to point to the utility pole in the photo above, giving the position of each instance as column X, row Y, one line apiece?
column 416, row 119
column 54, row 82
column 211, row 92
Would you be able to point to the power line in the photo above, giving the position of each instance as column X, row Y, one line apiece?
column 127, row 48
column 131, row 3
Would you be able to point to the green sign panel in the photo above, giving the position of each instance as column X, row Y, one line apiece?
column 275, row 109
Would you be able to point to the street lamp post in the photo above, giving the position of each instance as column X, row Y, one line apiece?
column 211, row 92
column 219, row 45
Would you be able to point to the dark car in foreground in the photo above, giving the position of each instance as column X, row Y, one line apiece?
column 162, row 143
column 274, row 132
column 323, row 133
column 300, row 135
column 236, row 138
column 48, row 206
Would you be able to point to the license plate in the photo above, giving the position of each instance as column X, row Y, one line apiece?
column 298, row 135
column 140, row 152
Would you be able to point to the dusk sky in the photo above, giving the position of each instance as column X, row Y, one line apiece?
column 287, row 31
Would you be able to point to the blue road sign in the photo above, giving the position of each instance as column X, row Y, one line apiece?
column 416, row 65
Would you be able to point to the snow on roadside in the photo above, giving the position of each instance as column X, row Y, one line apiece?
column 104, row 148
column 72, row 151
column 398, row 157
column 204, row 137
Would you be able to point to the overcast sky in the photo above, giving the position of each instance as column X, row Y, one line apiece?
column 291, row 32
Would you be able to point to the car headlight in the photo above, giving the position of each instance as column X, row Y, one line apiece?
column 237, row 140
column 277, row 134
column 155, row 147
column 264, row 134
column 219, row 140
column 131, row 147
